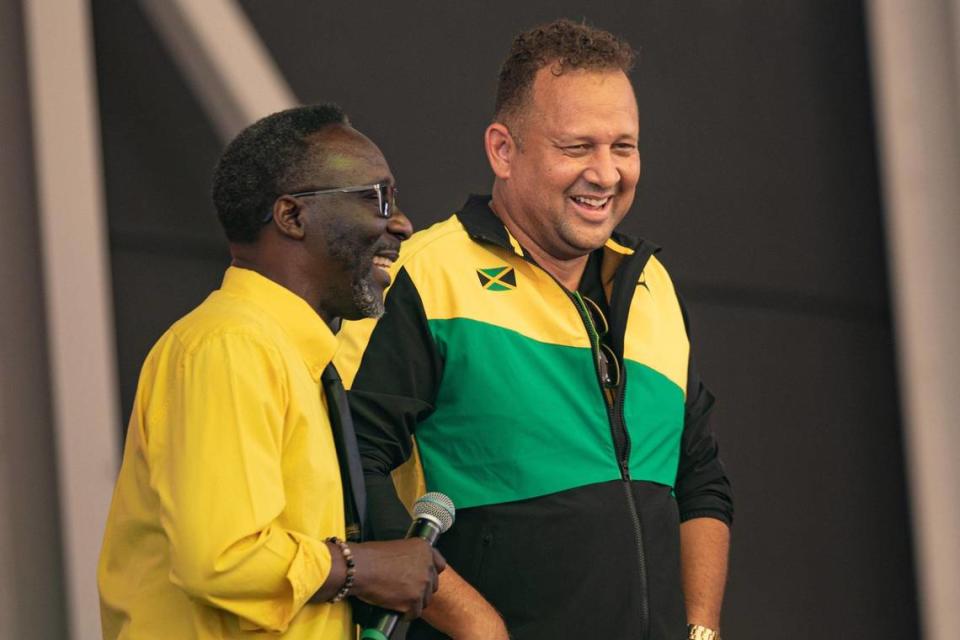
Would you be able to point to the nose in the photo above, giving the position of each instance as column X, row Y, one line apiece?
column 603, row 170
column 399, row 225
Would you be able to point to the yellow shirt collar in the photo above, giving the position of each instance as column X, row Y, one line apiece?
column 311, row 335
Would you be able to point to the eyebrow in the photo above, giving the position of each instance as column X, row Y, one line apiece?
column 578, row 139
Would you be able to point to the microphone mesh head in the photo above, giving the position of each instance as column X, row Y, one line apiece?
column 437, row 506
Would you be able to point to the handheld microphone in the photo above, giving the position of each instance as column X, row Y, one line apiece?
column 433, row 514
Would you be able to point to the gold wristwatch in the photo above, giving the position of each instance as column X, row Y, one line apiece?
column 700, row 632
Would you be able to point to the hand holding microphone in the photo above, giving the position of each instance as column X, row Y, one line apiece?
column 433, row 514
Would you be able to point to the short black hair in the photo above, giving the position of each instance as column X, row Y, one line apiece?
column 564, row 44
column 259, row 165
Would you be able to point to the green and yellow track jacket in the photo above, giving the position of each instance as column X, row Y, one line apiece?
column 484, row 373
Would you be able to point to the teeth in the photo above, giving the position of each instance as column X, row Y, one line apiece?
column 591, row 202
column 383, row 263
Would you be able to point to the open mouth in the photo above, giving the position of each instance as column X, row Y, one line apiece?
column 383, row 261
column 592, row 203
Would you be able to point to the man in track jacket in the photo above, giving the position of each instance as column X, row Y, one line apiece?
column 534, row 365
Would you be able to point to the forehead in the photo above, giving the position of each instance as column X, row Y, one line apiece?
column 582, row 99
column 342, row 156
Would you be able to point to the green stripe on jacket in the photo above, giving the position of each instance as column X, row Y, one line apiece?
column 517, row 418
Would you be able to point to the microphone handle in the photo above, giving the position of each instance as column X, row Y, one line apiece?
column 425, row 529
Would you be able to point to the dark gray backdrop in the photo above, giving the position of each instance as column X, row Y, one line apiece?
column 759, row 180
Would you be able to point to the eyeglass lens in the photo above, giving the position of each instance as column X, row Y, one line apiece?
column 599, row 320
column 388, row 199
column 609, row 366
column 607, row 363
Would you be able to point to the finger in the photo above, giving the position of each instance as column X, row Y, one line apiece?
column 414, row 612
column 427, row 595
column 439, row 561
column 434, row 582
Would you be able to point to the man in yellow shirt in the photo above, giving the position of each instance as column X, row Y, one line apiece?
column 230, row 509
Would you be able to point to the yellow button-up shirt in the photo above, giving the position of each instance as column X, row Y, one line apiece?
column 229, row 482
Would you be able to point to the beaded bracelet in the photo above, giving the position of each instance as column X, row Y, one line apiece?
column 351, row 568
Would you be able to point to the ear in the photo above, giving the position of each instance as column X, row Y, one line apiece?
column 500, row 147
column 286, row 217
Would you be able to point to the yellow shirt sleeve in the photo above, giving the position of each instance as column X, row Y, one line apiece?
column 215, row 438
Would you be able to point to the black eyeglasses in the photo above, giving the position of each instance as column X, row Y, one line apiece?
column 607, row 363
column 386, row 195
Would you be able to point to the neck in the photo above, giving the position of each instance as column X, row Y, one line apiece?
column 567, row 271
column 284, row 273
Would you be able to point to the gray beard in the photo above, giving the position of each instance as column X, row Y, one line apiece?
column 363, row 293
column 366, row 298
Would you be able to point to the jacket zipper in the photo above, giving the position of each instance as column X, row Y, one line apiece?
column 621, row 446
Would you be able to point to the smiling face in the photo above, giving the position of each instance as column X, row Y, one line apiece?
column 570, row 175
column 350, row 245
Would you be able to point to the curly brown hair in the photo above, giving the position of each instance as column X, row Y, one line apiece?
column 565, row 45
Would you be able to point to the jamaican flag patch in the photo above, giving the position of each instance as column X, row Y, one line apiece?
column 497, row 278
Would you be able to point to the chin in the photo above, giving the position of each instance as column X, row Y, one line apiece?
column 586, row 235
column 587, row 242
column 367, row 299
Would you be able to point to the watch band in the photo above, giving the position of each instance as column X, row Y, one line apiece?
column 700, row 632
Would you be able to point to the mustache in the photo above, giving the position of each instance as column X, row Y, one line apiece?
column 387, row 245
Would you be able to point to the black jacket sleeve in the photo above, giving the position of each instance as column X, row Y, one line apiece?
column 394, row 389
column 702, row 488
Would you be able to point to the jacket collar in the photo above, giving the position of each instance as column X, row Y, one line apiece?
column 310, row 335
